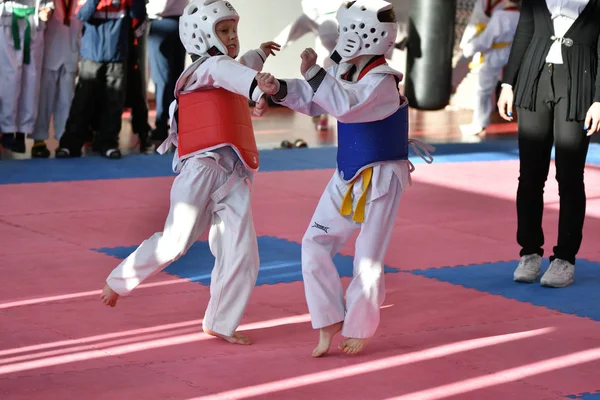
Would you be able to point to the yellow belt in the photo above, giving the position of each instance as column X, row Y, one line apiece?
column 478, row 61
column 359, row 212
column 480, row 27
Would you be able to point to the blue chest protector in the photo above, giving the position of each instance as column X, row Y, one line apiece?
column 361, row 145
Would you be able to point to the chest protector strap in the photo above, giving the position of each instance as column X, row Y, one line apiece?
column 214, row 118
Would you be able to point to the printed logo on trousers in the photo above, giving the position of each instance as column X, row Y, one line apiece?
column 321, row 227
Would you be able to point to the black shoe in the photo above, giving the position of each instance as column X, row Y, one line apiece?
column 159, row 135
column 19, row 144
column 113, row 154
column 8, row 140
column 146, row 146
column 63, row 152
column 39, row 150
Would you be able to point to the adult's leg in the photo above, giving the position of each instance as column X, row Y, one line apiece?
column 83, row 109
column 571, row 143
column 535, row 136
column 167, row 61
column 110, row 122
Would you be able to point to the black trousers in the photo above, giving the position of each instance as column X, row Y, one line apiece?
column 137, row 86
column 538, row 131
column 99, row 97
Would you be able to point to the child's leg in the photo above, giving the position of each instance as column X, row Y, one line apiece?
column 64, row 97
column 189, row 215
column 11, row 72
column 233, row 242
column 484, row 103
column 30, row 87
column 366, row 292
column 326, row 235
column 46, row 108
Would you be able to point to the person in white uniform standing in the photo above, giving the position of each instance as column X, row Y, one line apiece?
column 490, row 50
column 478, row 20
column 215, row 169
column 61, row 56
column 318, row 17
column 22, row 24
column 372, row 169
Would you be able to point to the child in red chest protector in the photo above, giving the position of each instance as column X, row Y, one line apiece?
column 216, row 158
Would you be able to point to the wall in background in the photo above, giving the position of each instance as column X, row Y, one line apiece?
column 263, row 20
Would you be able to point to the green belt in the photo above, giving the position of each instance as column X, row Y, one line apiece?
column 22, row 13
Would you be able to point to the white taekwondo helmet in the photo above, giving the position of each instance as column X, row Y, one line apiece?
column 361, row 30
column 197, row 26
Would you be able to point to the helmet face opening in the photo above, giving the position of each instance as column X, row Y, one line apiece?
column 197, row 26
column 367, row 27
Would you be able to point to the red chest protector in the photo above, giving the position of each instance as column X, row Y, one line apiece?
column 108, row 5
column 209, row 119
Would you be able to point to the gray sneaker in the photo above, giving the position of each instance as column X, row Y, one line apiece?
column 528, row 269
column 559, row 274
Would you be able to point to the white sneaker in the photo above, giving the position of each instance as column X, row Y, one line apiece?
column 528, row 269
column 561, row 273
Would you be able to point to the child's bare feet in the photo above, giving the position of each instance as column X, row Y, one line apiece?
column 109, row 296
column 325, row 336
column 353, row 346
column 236, row 338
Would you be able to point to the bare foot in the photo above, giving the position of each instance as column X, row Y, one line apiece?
column 109, row 296
column 236, row 338
column 325, row 336
column 353, row 346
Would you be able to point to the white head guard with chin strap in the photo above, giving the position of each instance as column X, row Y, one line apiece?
column 361, row 30
column 197, row 26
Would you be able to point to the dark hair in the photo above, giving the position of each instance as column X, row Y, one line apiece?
column 387, row 16
column 384, row 16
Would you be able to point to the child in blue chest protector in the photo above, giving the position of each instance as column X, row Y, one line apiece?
column 361, row 92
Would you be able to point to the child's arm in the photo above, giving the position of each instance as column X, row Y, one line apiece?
column 255, row 59
column 483, row 42
column 224, row 72
column 375, row 97
column 472, row 29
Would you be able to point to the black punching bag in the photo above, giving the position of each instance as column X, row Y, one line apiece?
column 429, row 53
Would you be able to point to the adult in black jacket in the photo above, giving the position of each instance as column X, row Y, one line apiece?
column 552, row 78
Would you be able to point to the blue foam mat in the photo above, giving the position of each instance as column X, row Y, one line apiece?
column 585, row 396
column 146, row 166
column 279, row 262
column 581, row 298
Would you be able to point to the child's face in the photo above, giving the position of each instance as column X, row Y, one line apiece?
column 227, row 32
